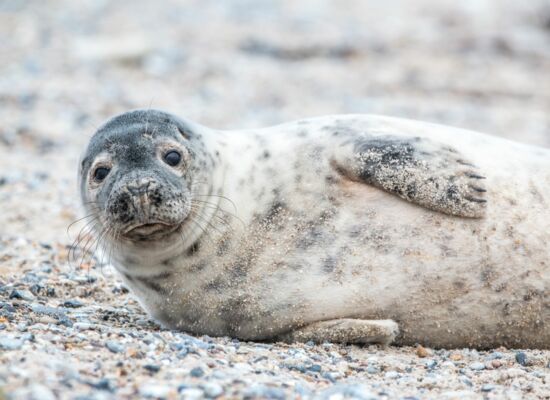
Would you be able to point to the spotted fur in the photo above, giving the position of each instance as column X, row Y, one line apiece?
column 353, row 220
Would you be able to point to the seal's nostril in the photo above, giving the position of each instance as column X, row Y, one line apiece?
column 137, row 190
column 139, row 187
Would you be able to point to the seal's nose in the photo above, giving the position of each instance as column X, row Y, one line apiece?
column 139, row 186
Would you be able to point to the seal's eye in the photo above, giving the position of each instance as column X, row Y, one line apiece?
column 172, row 158
column 101, row 173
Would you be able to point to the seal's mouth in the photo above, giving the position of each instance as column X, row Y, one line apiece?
column 150, row 231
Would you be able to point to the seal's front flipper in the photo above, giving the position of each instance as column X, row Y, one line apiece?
column 346, row 330
column 416, row 169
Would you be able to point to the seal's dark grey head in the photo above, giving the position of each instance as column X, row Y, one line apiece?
column 136, row 174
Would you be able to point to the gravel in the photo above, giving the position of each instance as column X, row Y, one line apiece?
column 69, row 329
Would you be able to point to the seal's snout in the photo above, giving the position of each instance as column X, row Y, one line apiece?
column 144, row 208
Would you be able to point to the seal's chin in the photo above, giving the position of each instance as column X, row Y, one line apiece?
column 150, row 231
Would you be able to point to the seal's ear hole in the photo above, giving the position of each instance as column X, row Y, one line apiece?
column 181, row 130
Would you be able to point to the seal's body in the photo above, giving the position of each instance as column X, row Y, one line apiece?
column 335, row 228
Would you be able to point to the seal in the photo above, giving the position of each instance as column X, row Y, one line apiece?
column 346, row 228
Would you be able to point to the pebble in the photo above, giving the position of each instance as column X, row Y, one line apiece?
column 73, row 304
column 114, row 347
column 466, row 381
column 455, row 356
column 372, row 369
column 477, row 366
column 495, row 355
column 212, row 390
column 191, row 393
column 154, row 391
column 45, row 310
column 22, row 295
column 521, row 358
column 315, row 368
column 349, row 391
column 391, row 375
column 487, row 387
column 422, row 351
column 431, row 364
column 264, row 392
column 152, row 368
column 8, row 343
column 84, row 326
column 196, row 372
column 102, row 384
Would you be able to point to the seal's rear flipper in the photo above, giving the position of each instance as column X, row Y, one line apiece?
column 346, row 330
column 416, row 169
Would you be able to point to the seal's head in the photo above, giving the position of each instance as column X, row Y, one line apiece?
column 136, row 176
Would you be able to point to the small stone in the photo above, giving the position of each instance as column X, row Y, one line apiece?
column 197, row 372
column 455, row 356
column 496, row 363
column 466, row 381
column 265, row 392
column 36, row 289
column 487, row 387
column 391, row 375
column 330, row 376
column 7, row 343
column 154, row 391
column 22, row 327
column 431, row 364
column 47, row 268
column 152, row 368
column 114, row 347
column 351, row 391
column 22, row 295
column 495, row 355
column 372, row 369
column 521, row 358
column 459, row 395
column 7, row 307
column 315, row 368
column 28, row 337
column 73, row 304
column 477, row 366
column 178, row 346
column 65, row 321
column 102, row 384
column 83, row 326
column 183, row 353
column 45, row 310
column 191, row 394
column 422, row 351
column 212, row 390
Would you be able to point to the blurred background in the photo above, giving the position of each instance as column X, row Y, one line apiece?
column 65, row 66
